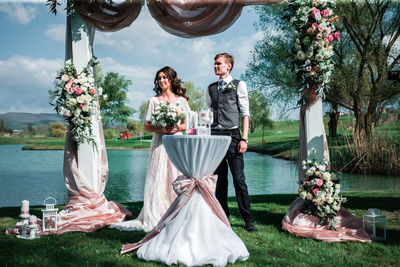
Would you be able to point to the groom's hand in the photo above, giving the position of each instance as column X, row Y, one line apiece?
column 242, row 147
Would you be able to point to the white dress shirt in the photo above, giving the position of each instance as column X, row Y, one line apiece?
column 243, row 98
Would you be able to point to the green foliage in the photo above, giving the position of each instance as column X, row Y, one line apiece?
column 110, row 134
column 133, row 126
column 259, row 112
column 196, row 96
column 142, row 111
column 57, row 129
column 113, row 105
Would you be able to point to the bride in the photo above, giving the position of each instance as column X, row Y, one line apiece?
column 158, row 191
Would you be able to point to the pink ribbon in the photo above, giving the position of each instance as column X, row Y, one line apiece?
column 184, row 187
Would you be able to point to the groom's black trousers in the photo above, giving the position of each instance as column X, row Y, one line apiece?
column 236, row 165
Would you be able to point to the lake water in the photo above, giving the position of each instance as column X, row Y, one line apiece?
column 35, row 175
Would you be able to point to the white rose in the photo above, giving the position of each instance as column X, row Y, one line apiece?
column 68, row 62
column 80, row 99
column 326, row 176
column 87, row 98
column 309, row 173
column 319, row 57
column 322, row 167
column 65, row 77
column 303, row 194
column 337, row 186
column 91, row 80
column 85, row 108
column 301, row 55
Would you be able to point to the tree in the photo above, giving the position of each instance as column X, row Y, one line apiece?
column 259, row 112
column 31, row 130
column 142, row 111
column 366, row 52
column 374, row 38
column 57, row 129
column 113, row 106
column 196, row 96
column 3, row 128
column 133, row 126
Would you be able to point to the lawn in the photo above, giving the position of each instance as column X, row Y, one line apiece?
column 270, row 246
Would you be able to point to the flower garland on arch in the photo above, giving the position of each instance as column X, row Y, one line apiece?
column 313, row 22
column 75, row 99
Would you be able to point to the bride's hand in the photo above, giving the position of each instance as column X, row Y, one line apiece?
column 170, row 129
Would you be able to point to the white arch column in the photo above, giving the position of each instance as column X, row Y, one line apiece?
column 79, row 48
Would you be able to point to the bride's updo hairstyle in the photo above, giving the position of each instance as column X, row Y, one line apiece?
column 175, row 82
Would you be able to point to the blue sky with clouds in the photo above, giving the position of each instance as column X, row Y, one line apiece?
column 32, row 50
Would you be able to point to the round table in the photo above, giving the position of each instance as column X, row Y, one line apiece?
column 195, row 230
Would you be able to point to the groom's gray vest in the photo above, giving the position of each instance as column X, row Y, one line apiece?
column 225, row 105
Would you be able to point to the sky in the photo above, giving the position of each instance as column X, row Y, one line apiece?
column 33, row 45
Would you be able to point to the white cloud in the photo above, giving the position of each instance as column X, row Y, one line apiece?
column 18, row 12
column 25, row 82
column 56, row 32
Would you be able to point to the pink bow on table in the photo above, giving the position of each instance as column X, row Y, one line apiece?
column 185, row 187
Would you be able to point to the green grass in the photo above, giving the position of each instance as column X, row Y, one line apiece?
column 270, row 246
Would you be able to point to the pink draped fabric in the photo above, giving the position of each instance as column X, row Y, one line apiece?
column 189, row 18
column 185, row 187
column 109, row 17
column 349, row 227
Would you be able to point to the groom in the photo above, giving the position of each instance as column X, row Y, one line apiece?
column 230, row 104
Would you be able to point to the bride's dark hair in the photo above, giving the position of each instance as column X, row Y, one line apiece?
column 175, row 82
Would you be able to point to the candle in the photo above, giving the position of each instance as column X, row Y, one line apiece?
column 24, row 207
column 32, row 221
column 187, row 122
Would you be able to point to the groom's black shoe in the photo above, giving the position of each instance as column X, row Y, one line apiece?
column 249, row 226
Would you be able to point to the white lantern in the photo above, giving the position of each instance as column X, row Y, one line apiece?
column 376, row 222
column 50, row 215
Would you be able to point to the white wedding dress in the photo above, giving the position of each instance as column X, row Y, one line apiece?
column 158, row 191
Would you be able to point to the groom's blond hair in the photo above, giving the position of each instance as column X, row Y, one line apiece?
column 228, row 59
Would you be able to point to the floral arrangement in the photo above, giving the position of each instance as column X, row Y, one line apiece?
column 75, row 99
column 315, row 33
column 321, row 191
column 167, row 115
column 230, row 87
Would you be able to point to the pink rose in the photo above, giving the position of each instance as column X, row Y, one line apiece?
column 336, row 35
column 72, row 90
column 325, row 13
column 92, row 91
column 330, row 37
column 319, row 182
column 320, row 29
column 68, row 85
column 319, row 36
column 315, row 191
column 315, row 25
column 314, row 12
column 78, row 90
column 81, row 106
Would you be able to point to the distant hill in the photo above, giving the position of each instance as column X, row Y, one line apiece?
column 20, row 120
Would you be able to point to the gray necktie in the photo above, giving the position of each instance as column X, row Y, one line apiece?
column 221, row 85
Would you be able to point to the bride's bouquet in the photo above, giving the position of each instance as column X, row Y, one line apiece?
column 75, row 99
column 321, row 191
column 167, row 115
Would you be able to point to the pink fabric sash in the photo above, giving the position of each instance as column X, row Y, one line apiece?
column 349, row 227
column 185, row 187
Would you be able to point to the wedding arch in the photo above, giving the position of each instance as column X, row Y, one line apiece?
column 85, row 167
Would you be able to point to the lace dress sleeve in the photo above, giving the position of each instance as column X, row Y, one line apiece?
column 150, row 109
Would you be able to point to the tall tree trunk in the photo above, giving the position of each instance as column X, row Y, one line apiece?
column 333, row 120
column 359, row 124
